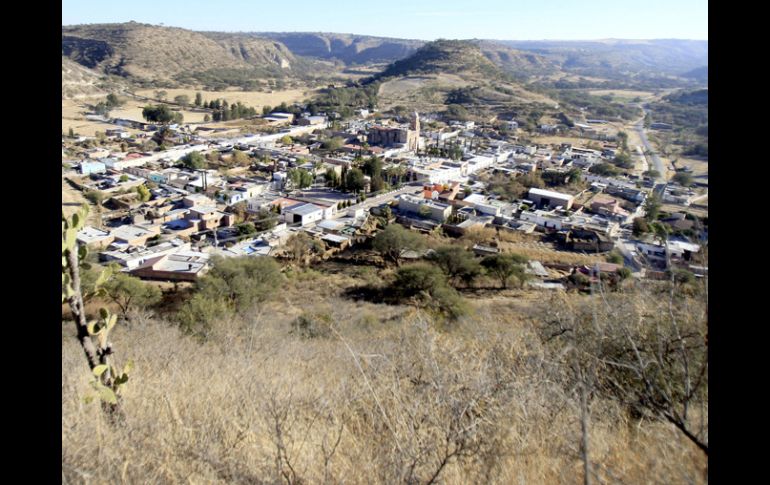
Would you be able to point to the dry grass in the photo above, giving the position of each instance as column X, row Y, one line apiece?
column 255, row 99
column 385, row 396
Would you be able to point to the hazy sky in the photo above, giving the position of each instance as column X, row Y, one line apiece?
column 415, row 19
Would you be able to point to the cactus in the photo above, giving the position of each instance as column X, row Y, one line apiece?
column 93, row 335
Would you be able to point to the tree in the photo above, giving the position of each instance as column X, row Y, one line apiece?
column 300, row 247
column 372, row 166
column 332, row 144
column 394, row 240
column 377, row 183
column 206, row 118
column 232, row 285
column 286, row 140
column 71, row 133
column 332, row 179
column 427, row 285
column 640, row 226
column 143, row 192
column 354, row 180
column 300, row 178
column 683, row 178
column 113, row 101
column 240, row 158
column 265, row 220
column 652, row 206
column 123, row 178
column 96, row 197
column 605, row 169
column 92, row 335
column 194, row 160
column 653, row 174
column 161, row 114
column 457, row 263
column 198, row 99
column 506, row 266
column 182, row 100
column 623, row 160
column 130, row 292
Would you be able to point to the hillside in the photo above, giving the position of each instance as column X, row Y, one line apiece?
column 458, row 72
column 78, row 81
column 151, row 53
column 350, row 49
column 518, row 63
column 616, row 57
column 463, row 58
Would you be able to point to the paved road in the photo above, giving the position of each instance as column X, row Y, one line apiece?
column 639, row 127
column 381, row 199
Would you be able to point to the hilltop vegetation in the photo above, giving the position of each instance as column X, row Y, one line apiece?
column 165, row 55
column 444, row 56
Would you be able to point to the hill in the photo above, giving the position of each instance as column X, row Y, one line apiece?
column 350, row 49
column 517, row 63
column 447, row 72
column 615, row 58
column 78, row 81
column 151, row 53
column 700, row 74
column 444, row 56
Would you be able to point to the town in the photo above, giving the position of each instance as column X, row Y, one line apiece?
column 161, row 215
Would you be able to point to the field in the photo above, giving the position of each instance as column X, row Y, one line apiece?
column 74, row 110
column 623, row 95
column 255, row 99
column 700, row 168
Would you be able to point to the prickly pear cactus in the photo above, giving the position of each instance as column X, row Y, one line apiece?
column 93, row 335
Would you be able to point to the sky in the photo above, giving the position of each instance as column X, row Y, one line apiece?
column 414, row 19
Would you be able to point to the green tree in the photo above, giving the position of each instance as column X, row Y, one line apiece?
column 653, row 174
column 71, row 133
column 123, row 178
column 354, row 180
column 457, row 263
column 240, row 158
column 393, row 240
column 182, row 100
column 206, row 118
column 240, row 282
column 113, row 101
column 128, row 292
column 652, row 207
column 332, row 179
column 301, row 247
column 300, row 178
column 143, row 192
column 96, row 197
column 161, row 114
column 506, row 266
column 640, row 226
column 683, row 178
column 332, row 144
column 194, row 160
column 286, row 140
column 426, row 284
column 198, row 99
column 265, row 220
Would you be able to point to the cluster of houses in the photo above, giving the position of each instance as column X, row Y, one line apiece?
column 191, row 213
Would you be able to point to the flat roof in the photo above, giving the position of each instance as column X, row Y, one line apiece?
column 303, row 209
column 549, row 193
